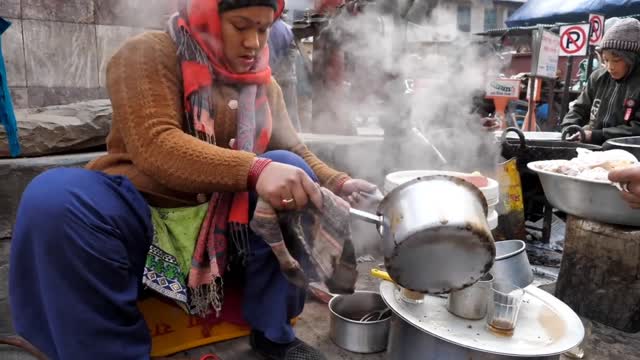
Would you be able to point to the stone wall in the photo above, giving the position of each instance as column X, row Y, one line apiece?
column 56, row 51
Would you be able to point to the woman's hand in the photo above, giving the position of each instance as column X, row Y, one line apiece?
column 287, row 187
column 631, row 178
column 352, row 188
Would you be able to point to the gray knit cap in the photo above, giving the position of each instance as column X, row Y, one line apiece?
column 624, row 35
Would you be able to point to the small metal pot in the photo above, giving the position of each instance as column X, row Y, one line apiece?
column 349, row 332
column 435, row 234
column 471, row 303
column 512, row 263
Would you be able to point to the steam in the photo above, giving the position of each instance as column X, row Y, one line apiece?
column 445, row 78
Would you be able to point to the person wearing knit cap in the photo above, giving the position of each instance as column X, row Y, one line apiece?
column 609, row 106
column 199, row 134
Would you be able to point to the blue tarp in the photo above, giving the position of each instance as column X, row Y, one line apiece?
column 535, row 12
column 7, row 116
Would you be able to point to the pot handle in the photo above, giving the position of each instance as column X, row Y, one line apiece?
column 365, row 216
column 520, row 134
column 569, row 129
column 380, row 274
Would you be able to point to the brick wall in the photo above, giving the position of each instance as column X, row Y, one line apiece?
column 56, row 50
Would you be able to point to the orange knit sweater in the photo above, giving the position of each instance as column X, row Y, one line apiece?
column 148, row 145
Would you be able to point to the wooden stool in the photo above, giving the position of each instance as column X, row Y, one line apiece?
column 172, row 330
column 600, row 272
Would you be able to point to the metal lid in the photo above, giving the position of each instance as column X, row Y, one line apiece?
column 546, row 326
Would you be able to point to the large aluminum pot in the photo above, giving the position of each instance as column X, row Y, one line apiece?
column 408, row 343
column 529, row 135
column 512, row 263
column 349, row 333
column 527, row 148
column 435, row 234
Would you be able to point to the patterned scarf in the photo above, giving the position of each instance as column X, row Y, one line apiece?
column 196, row 30
column 321, row 239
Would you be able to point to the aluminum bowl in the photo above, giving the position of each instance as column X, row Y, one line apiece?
column 630, row 144
column 589, row 199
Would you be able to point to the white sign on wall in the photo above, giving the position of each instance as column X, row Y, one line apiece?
column 545, row 54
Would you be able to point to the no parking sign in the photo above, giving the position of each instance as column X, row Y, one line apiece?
column 574, row 40
column 597, row 29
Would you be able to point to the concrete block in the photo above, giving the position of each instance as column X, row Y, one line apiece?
column 4, row 281
column 13, row 53
column 10, row 9
column 175, row 5
column 6, row 325
column 61, row 129
column 135, row 13
column 110, row 38
column 19, row 97
column 13, row 353
column 5, row 314
column 359, row 156
column 75, row 11
column 4, row 254
column 60, row 54
column 16, row 174
column 47, row 96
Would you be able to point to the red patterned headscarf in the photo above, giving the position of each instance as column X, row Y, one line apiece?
column 198, row 35
column 203, row 23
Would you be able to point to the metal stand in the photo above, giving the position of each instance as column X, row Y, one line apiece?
column 567, row 84
column 547, row 221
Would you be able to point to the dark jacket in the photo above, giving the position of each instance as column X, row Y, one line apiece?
column 604, row 104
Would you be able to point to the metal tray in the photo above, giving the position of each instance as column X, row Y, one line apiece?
column 589, row 199
column 546, row 326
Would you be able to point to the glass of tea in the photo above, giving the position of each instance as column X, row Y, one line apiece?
column 502, row 312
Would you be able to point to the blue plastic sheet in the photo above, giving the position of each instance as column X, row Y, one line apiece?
column 7, row 115
column 535, row 12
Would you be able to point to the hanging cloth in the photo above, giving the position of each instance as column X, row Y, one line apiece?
column 7, row 116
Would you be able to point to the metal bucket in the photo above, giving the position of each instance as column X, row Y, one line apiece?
column 349, row 332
